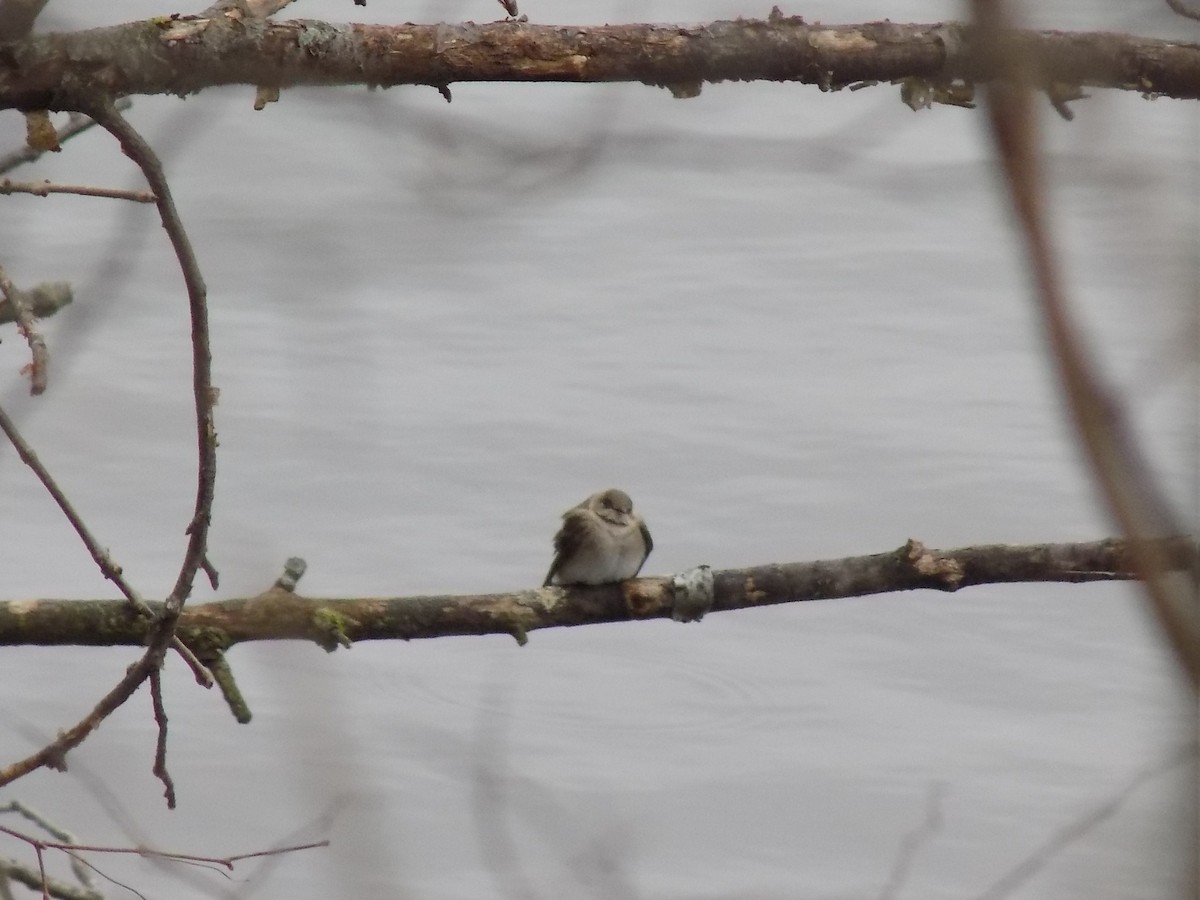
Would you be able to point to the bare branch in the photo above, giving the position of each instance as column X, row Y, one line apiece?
column 1053, row 848
column 136, row 148
column 279, row 614
column 17, row 17
column 227, row 863
column 160, row 750
column 45, row 188
column 37, row 344
column 53, row 755
column 189, row 54
column 1117, row 461
column 77, row 124
column 100, row 555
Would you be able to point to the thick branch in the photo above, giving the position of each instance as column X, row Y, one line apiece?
column 17, row 16
column 279, row 614
column 187, row 54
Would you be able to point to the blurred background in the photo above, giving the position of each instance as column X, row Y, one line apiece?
column 792, row 325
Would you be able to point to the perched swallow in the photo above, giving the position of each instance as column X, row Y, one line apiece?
column 602, row 540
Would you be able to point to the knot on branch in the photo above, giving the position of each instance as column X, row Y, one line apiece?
column 330, row 629
column 937, row 571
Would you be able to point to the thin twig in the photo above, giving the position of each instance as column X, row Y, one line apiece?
column 108, row 568
column 914, row 841
column 53, row 754
column 160, row 750
column 25, row 876
column 107, row 877
column 25, row 324
column 77, row 124
column 136, row 148
column 224, row 862
column 1023, row 871
column 1118, row 464
column 42, row 871
column 46, row 188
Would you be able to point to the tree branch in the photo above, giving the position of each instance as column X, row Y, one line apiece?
column 189, row 53
column 279, row 614
column 46, row 188
column 17, row 17
column 108, row 568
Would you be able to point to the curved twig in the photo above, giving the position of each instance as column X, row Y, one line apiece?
column 195, row 557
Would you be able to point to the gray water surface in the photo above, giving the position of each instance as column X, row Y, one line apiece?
column 791, row 325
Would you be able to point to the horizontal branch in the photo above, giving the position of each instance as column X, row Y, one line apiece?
column 185, row 54
column 279, row 614
column 45, row 188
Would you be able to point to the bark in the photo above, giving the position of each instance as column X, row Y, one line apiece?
column 185, row 54
column 279, row 614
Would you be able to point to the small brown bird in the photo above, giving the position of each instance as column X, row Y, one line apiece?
column 602, row 540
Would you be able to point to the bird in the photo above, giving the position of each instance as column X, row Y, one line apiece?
column 602, row 541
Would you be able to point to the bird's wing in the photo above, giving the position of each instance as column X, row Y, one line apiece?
column 573, row 533
column 649, row 544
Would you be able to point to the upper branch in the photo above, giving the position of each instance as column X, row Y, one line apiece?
column 187, row 54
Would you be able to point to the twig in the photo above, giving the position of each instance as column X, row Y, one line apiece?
column 79, row 868
column 108, row 568
column 1117, row 462
column 25, row 323
column 160, row 751
column 45, row 188
column 914, row 841
column 28, row 878
column 136, row 148
column 1036, row 861
column 53, row 754
column 107, row 877
column 77, row 124
column 224, row 862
